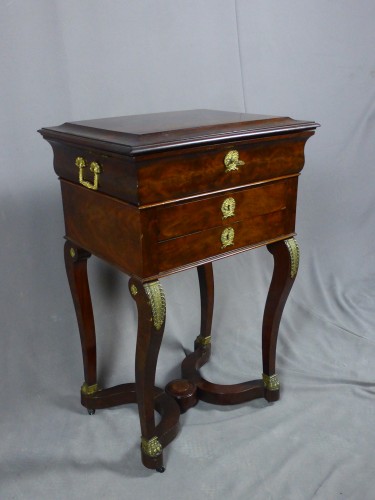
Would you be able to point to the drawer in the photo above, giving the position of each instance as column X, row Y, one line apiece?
column 173, row 175
column 191, row 249
column 233, row 206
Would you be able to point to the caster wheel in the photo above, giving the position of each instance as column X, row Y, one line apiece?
column 160, row 469
column 91, row 412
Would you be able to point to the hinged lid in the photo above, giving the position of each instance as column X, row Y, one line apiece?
column 132, row 135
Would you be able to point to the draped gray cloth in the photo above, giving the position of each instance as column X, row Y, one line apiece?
column 67, row 60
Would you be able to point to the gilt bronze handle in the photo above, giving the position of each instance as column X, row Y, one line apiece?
column 95, row 168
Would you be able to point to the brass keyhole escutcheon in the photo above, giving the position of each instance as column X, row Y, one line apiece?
column 232, row 161
column 227, row 237
column 228, row 207
column 95, row 168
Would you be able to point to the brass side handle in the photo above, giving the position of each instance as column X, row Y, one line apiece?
column 232, row 161
column 228, row 207
column 227, row 237
column 95, row 168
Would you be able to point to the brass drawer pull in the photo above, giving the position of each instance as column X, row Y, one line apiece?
column 228, row 207
column 95, row 168
column 227, row 237
column 232, row 161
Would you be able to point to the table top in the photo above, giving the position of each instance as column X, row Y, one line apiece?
column 150, row 132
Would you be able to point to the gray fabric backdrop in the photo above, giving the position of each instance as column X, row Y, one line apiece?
column 71, row 60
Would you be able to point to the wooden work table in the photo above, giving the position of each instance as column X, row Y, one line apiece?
column 157, row 194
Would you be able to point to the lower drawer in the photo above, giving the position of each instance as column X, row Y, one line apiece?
column 233, row 206
column 199, row 246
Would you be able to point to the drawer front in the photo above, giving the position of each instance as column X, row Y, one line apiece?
column 233, row 206
column 185, row 172
column 96, row 171
column 215, row 242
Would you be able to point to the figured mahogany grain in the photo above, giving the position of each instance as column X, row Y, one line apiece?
column 200, row 214
column 118, row 177
column 207, row 244
column 107, row 227
column 188, row 172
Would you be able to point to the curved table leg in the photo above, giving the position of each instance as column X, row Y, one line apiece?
column 151, row 306
column 206, row 287
column 205, row 390
column 76, row 269
column 151, row 310
column 185, row 391
column 286, row 260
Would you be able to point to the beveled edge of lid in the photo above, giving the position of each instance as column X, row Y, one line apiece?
column 135, row 144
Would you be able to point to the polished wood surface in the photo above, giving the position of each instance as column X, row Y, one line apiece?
column 76, row 270
column 105, row 226
column 194, row 216
column 173, row 191
column 139, row 134
column 281, row 284
column 149, row 339
column 198, row 247
column 177, row 174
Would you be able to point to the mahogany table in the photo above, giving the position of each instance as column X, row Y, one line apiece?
column 160, row 193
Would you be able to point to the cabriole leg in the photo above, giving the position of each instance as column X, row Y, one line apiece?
column 151, row 306
column 286, row 260
column 76, row 269
column 184, row 390
column 206, row 286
